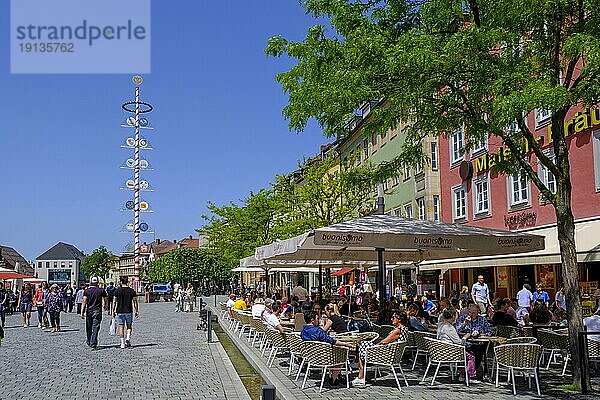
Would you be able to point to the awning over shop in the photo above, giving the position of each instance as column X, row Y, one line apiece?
column 587, row 240
column 342, row 271
column 6, row 273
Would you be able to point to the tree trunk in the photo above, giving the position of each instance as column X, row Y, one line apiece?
column 565, row 224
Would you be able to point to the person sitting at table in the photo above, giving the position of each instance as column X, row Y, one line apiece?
column 447, row 332
column 385, row 314
column 299, row 321
column 270, row 315
column 428, row 305
column 511, row 307
column 476, row 325
column 416, row 322
column 334, row 321
column 444, row 304
column 501, row 317
column 540, row 314
column 240, row 304
column 398, row 334
column 313, row 332
column 540, row 295
column 258, row 307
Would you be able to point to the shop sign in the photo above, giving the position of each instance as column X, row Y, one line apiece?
column 588, row 118
column 518, row 221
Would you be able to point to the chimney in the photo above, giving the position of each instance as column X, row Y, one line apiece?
column 190, row 237
column 157, row 241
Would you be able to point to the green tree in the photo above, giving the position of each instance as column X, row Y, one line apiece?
column 444, row 65
column 188, row 265
column 99, row 263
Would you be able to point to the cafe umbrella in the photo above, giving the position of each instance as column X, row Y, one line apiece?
column 381, row 238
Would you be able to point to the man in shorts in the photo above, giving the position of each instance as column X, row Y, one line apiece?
column 123, row 307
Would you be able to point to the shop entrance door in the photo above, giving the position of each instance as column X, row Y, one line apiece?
column 525, row 274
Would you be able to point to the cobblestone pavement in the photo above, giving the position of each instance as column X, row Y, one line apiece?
column 385, row 387
column 169, row 359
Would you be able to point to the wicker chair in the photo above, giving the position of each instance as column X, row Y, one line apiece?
column 441, row 352
column 386, row 355
column 235, row 321
column 521, row 357
column 295, row 343
column 554, row 344
column 593, row 350
column 383, row 330
column 421, row 345
column 245, row 326
column 278, row 344
column 324, row 356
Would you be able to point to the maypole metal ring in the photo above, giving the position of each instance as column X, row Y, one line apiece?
column 126, row 107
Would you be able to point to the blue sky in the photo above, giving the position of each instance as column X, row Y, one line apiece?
column 219, row 130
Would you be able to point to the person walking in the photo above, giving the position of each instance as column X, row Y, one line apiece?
column 94, row 298
column 124, row 305
column 480, row 294
column 54, row 304
column 110, row 291
column 70, row 297
column 39, row 299
column 3, row 304
column 25, row 303
column 79, row 299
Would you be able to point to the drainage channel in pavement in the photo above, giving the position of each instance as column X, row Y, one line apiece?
column 250, row 378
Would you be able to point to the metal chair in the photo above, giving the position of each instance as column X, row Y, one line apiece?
column 324, row 356
column 386, row 355
column 521, row 357
column 278, row 344
column 440, row 352
column 295, row 344
column 594, row 350
column 421, row 345
column 554, row 344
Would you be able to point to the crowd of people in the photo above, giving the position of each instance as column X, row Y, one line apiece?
column 456, row 319
column 89, row 301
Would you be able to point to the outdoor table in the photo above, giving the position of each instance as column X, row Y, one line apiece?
column 287, row 323
column 486, row 340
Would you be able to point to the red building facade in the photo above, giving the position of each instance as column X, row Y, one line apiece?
column 472, row 194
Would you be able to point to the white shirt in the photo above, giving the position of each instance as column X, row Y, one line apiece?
column 593, row 325
column 524, row 297
column 257, row 310
column 270, row 319
column 79, row 296
column 230, row 303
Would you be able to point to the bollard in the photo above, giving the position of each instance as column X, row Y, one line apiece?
column 215, row 299
column 209, row 325
column 267, row 392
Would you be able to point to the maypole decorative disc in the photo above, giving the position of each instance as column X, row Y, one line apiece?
column 144, row 185
column 130, row 184
column 137, row 80
column 143, row 227
column 130, row 205
column 144, row 206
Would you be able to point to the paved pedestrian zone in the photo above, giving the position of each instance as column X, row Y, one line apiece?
column 169, row 359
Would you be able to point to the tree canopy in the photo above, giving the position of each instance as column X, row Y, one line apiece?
column 448, row 65
column 99, row 263
column 188, row 265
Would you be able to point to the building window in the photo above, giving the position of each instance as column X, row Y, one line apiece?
column 518, row 189
column 406, row 171
column 434, row 156
column 482, row 195
column 40, row 265
column 418, row 169
column 548, row 177
column 542, row 117
column 479, row 146
column 457, row 141
column 55, row 264
column 47, row 264
column 459, row 197
column 366, row 148
column 408, row 210
column 398, row 212
column 421, row 205
column 395, row 180
column 436, row 208
column 596, row 140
